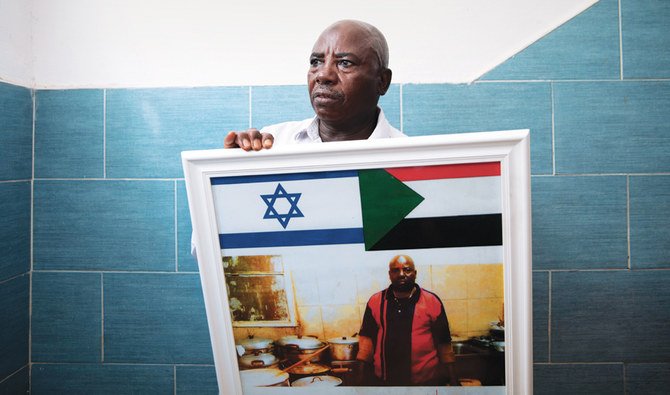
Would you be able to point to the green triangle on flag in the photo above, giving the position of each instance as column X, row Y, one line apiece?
column 385, row 201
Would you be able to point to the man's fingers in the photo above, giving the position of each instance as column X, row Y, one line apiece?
column 254, row 140
column 230, row 141
column 268, row 140
column 245, row 139
column 250, row 139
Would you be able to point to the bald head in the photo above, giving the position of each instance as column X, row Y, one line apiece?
column 402, row 260
column 373, row 38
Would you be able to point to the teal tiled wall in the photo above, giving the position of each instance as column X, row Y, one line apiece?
column 66, row 317
column 16, row 141
column 148, row 128
column 102, row 379
column 69, row 134
column 104, row 225
column 645, row 39
column 116, row 298
column 170, row 329
column 431, row 109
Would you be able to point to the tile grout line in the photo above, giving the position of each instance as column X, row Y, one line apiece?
column 549, row 319
column 15, row 181
column 102, row 318
column 628, row 220
column 12, row 278
column 32, row 243
column 250, row 107
column 170, row 272
column 176, row 227
column 659, row 174
column 32, row 179
column 402, row 118
column 620, row 42
column 104, row 133
column 105, row 179
column 175, row 364
column 12, row 374
column 553, row 130
column 559, row 81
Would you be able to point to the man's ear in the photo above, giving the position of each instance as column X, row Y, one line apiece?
column 384, row 81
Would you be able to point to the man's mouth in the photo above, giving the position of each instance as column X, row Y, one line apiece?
column 326, row 97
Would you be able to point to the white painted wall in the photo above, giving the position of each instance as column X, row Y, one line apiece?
column 15, row 42
column 146, row 43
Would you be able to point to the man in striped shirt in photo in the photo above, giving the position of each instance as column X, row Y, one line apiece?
column 405, row 338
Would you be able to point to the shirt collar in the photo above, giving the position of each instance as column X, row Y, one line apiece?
column 311, row 132
column 415, row 296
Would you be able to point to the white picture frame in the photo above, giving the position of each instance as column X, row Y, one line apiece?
column 509, row 148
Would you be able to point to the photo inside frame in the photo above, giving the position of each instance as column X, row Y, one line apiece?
column 303, row 255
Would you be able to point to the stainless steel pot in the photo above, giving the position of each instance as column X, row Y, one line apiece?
column 258, row 361
column 317, row 381
column 253, row 345
column 343, row 348
column 307, row 369
column 294, row 348
column 264, row 378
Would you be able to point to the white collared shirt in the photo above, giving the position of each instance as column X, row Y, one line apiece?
column 307, row 131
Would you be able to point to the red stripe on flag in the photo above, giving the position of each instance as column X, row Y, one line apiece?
column 461, row 170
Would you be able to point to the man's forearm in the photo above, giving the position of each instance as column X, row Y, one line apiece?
column 446, row 353
column 365, row 349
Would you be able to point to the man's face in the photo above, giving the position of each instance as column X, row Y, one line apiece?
column 344, row 77
column 402, row 274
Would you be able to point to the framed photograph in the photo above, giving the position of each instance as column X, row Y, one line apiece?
column 413, row 252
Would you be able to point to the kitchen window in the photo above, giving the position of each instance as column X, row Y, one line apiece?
column 260, row 291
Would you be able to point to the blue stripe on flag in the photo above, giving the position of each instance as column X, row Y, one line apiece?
column 283, row 177
column 291, row 238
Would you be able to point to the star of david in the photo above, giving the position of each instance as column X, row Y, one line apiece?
column 272, row 212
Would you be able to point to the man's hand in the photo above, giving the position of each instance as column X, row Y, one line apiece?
column 361, row 371
column 250, row 139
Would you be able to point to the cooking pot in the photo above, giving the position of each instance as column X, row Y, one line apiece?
column 269, row 377
column 343, row 348
column 258, row 360
column 317, row 381
column 294, row 348
column 307, row 369
column 253, row 345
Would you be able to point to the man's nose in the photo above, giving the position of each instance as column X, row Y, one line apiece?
column 326, row 74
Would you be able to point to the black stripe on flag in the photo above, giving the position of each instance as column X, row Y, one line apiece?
column 443, row 232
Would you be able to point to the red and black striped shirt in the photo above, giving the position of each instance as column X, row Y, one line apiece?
column 405, row 334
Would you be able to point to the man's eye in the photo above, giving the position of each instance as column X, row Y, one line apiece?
column 346, row 63
column 314, row 61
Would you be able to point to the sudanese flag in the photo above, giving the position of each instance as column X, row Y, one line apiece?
column 432, row 206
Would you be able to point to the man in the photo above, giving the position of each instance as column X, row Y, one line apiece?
column 405, row 338
column 348, row 72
